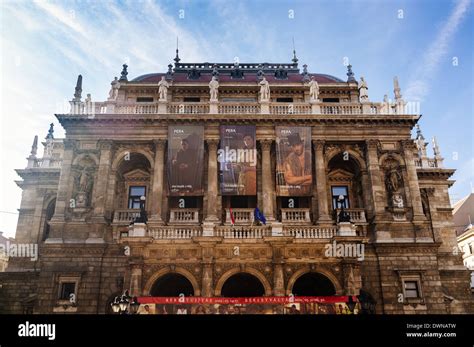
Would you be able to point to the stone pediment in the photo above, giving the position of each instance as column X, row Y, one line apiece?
column 136, row 175
column 340, row 175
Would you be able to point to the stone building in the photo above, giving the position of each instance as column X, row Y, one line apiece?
column 331, row 169
column 463, row 215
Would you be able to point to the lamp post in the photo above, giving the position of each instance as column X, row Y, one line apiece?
column 143, row 218
column 125, row 304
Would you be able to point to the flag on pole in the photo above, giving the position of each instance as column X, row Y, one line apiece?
column 232, row 219
column 259, row 216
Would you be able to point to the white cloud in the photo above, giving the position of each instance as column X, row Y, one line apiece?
column 419, row 86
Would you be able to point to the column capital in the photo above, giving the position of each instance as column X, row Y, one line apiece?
column 159, row 144
column 318, row 145
column 408, row 144
column 212, row 144
column 372, row 144
column 266, row 144
column 69, row 144
column 105, row 144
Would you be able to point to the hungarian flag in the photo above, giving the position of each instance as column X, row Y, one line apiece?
column 232, row 219
column 259, row 216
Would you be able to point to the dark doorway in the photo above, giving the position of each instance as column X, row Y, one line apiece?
column 313, row 284
column 172, row 284
column 242, row 285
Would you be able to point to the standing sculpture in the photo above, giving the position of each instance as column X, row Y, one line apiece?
column 264, row 90
column 163, row 88
column 213, row 87
column 363, row 90
column 313, row 89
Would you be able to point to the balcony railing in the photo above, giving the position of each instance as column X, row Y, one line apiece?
column 290, row 108
column 188, row 108
column 125, row 216
column 136, row 109
column 310, row 232
column 184, row 216
column 241, row 216
column 174, row 232
column 337, row 108
column 295, row 215
column 242, row 232
column 238, row 108
column 357, row 214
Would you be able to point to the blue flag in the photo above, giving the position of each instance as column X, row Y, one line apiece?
column 259, row 216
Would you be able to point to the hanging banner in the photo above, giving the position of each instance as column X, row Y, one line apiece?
column 294, row 165
column 251, row 305
column 237, row 157
column 185, row 159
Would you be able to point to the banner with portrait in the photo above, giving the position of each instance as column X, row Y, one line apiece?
column 237, row 158
column 294, row 164
column 185, row 159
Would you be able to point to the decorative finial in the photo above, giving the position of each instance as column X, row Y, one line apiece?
column 305, row 74
column 350, row 74
column 215, row 72
column 169, row 73
column 294, row 60
column 50, row 132
column 176, row 59
column 436, row 151
column 419, row 135
column 34, row 147
column 396, row 89
column 124, row 73
column 78, row 91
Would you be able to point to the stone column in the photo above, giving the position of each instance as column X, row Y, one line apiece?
column 268, row 190
column 57, row 222
column 207, row 280
column 136, row 280
column 376, row 182
column 321, row 182
column 156, row 196
column 212, row 189
column 415, row 194
column 278, row 280
column 367, row 199
column 100, row 191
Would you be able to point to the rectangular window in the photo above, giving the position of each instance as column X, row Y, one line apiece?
column 66, row 289
column 192, row 99
column 144, row 99
column 411, row 289
column 330, row 99
column 284, row 99
column 336, row 192
column 134, row 195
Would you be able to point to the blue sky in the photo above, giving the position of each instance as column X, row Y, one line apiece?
column 44, row 45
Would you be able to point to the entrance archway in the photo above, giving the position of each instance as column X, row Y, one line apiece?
column 313, row 284
column 172, row 284
column 242, row 284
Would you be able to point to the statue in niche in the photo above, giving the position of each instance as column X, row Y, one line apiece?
column 393, row 181
column 83, row 188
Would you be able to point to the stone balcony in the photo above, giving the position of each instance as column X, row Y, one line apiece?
column 295, row 216
column 242, row 232
column 357, row 215
column 174, row 232
column 310, row 231
column 242, row 216
column 184, row 216
column 125, row 216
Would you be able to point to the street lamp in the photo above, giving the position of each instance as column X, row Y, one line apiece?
column 125, row 304
column 143, row 216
